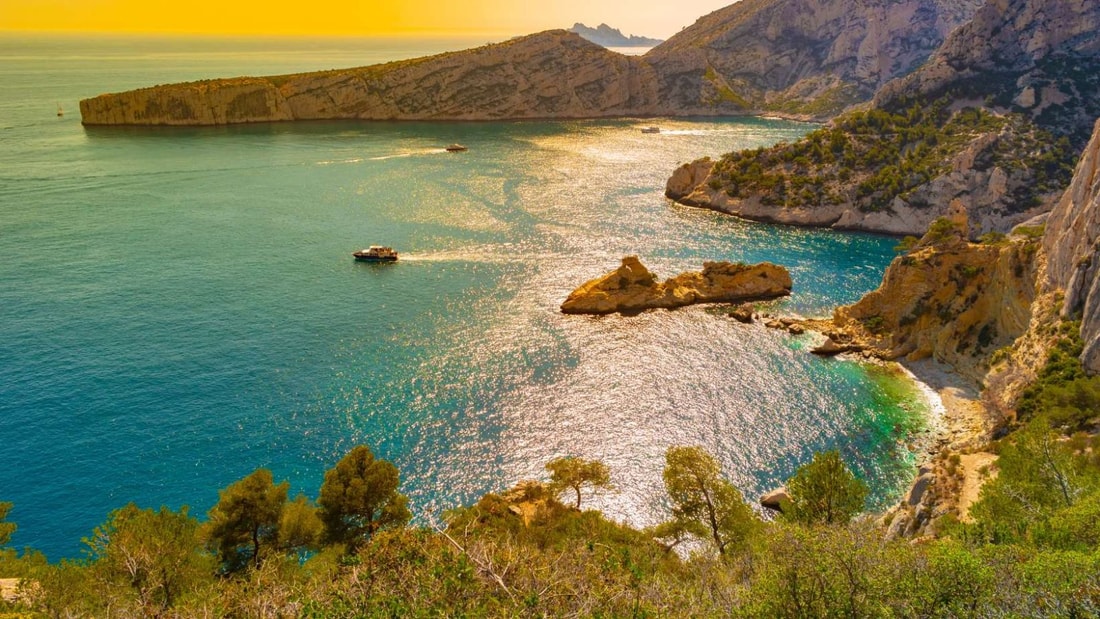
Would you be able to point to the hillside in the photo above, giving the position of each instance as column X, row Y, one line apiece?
column 808, row 58
column 804, row 58
column 552, row 74
column 997, row 128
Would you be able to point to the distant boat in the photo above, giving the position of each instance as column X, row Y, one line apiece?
column 456, row 148
column 376, row 253
column 60, row 112
column 651, row 129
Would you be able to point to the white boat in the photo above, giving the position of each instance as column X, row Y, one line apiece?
column 376, row 253
column 456, row 148
column 651, row 129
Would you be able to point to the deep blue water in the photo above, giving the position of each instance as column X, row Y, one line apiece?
column 179, row 307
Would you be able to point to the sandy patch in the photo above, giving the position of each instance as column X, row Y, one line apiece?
column 972, row 466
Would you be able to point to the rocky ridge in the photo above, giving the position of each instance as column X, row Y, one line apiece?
column 963, row 127
column 554, row 74
column 612, row 37
column 803, row 58
column 632, row 288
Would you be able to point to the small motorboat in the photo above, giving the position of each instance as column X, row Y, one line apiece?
column 456, row 148
column 376, row 253
column 651, row 129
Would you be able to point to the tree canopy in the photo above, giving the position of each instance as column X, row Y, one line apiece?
column 824, row 491
column 359, row 497
column 6, row 528
column 245, row 521
column 703, row 501
column 574, row 473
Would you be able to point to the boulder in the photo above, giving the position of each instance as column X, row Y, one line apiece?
column 774, row 500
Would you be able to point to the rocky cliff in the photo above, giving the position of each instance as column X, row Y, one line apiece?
column 995, row 120
column 809, row 58
column 1072, row 246
column 1037, row 57
column 633, row 288
column 612, row 37
column 553, row 74
column 948, row 299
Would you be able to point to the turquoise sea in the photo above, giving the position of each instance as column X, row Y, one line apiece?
column 179, row 306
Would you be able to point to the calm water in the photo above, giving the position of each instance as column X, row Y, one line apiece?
column 180, row 307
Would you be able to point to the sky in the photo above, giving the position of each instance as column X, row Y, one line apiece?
column 654, row 18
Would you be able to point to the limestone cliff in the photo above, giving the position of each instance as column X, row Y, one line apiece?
column 553, row 74
column 807, row 58
column 949, row 299
column 1038, row 57
column 995, row 119
column 1072, row 245
column 632, row 288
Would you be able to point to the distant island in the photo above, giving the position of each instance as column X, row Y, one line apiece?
column 612, row 37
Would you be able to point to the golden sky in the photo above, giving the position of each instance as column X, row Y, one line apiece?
column 656, row 18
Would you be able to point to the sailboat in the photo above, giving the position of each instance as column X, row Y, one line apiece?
column 60, row 112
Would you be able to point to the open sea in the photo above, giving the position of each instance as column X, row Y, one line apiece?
column 179, row 307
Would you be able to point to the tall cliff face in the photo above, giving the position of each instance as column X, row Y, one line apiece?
column 1025, row 73
column 803, row 57
column 1038, row 57
column 1072, row 247
column 949, row 299
column 553, row 74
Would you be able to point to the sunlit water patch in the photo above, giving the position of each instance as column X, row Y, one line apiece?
column 180, row 306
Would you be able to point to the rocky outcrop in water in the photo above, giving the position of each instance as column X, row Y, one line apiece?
column 612, row 37
column 632, row 288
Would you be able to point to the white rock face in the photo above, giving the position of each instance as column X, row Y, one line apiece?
column 1072, row 244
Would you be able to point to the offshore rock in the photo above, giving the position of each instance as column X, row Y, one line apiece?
column 631, row 288
column 774, row 500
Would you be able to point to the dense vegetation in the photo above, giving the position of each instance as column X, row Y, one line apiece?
column 869, row 158
column 1033, row 548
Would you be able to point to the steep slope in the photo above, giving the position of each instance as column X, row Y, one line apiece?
column 1072, row 245
column 553, row 74
column 995, row 120
column 803, row 57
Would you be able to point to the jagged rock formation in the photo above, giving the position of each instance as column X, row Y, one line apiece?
column 1031, row 68
column 553, row 74
column 806, row 58
column 631, row 288
column 612, row 37
column 949, row 299
column 1072, row 245
column 1038, row 57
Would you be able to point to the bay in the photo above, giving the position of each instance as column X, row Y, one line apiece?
column 179, row 306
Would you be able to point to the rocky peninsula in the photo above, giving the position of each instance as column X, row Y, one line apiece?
column 632, row 288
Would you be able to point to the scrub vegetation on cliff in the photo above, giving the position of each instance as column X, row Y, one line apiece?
column 870, row 158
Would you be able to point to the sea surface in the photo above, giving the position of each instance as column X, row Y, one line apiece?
column 179, row 307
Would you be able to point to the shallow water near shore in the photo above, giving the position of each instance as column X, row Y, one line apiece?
column 179, row 306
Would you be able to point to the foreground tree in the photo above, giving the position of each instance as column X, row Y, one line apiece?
column 6, row 528
column 151, row 558
column 824, row 492
column 702, row 501
column 300, row 527
column 570, row 472
column 359, row 497
column 245, row 522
